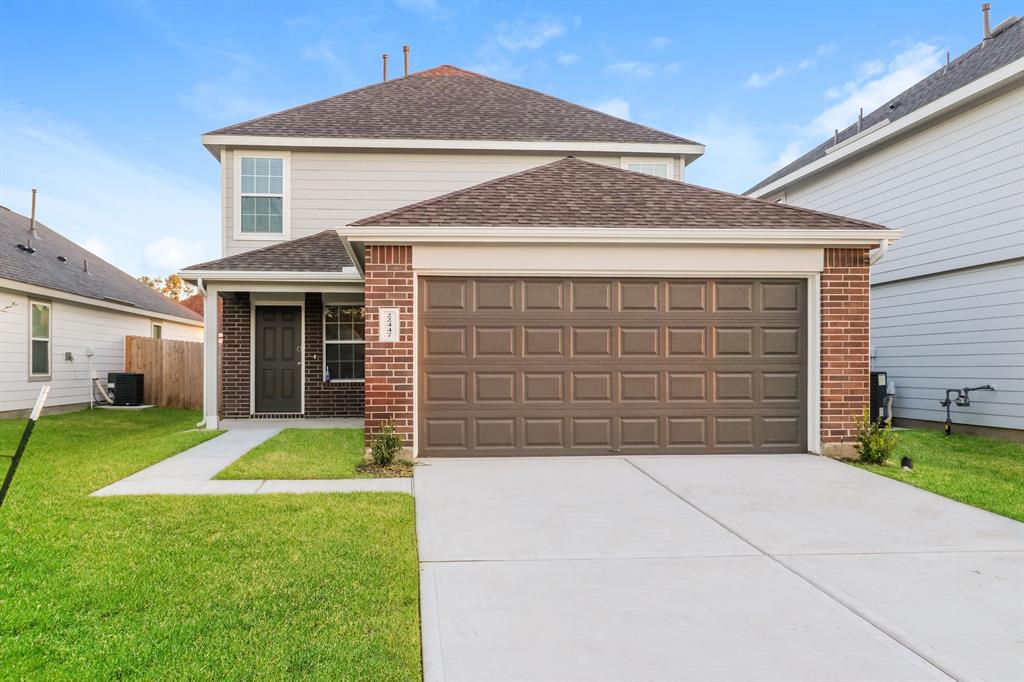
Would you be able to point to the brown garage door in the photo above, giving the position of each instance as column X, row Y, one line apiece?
column 563, row 366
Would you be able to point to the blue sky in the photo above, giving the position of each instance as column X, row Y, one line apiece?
column 102, row 104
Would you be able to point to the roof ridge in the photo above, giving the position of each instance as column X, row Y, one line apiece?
column 455, row 193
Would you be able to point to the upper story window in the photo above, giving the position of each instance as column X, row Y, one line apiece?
column 39, row 340
column 662, row 168
column 262, row 196
column 158, row 330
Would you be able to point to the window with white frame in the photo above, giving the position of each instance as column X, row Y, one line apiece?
column 262, row 195
column 658, row 169
column 39, row 340
column 344, row 343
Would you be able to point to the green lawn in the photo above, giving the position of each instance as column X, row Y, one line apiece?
column 231, row 587
column 983, row 472
column 304, row 454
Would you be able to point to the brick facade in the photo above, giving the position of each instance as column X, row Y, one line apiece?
column 845, row 345
column 389, row 366
column 321, row 400
column 235, row 324
column 325, row 399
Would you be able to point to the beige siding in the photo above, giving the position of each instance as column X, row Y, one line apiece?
column 332, row 189
column 956, row 189
column 74, row 329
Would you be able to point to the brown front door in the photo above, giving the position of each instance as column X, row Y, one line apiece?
column 278, row 359
column 588, row 366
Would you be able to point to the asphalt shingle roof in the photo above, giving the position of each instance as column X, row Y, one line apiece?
column 574, row 193
column 44, row 268
column 321, row 252
column 448, row 103
column 1004, row 48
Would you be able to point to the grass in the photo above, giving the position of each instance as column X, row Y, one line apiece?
column 307, row 454
column 232, row 587
column 982, row 472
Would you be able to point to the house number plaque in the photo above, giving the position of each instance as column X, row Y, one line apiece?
column 388, row 321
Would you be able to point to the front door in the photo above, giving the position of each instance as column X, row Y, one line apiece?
column 278, row 359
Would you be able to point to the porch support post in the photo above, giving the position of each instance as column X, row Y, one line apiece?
column 211, row 320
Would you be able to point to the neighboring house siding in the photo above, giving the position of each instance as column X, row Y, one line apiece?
column 74, row 328
column 960, row 329
column 948, row 298
column 332, row 189
column 956, row 189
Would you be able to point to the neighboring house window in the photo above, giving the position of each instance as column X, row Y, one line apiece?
column 262, row 204
column 39, row 340
column 344, row 342
column 659, row 169
column 158, row 330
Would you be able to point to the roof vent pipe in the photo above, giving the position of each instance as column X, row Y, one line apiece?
column 405, row 52
column 384, row 57
column 32, row 234
column 85, row 265
column 860, row 120
column 985, row 7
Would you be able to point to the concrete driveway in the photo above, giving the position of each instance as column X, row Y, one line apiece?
column 788, row 567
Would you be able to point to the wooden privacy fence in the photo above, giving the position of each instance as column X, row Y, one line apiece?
column 173, row 369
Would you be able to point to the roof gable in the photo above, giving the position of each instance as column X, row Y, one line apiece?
column 574, row 193
column 1003, row 48
column 44, row 268
column 448, row 103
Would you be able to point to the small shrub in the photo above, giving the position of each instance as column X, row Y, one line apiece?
column 385, row 446
column 875, row 440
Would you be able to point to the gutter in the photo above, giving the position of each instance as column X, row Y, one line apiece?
column 883, row 248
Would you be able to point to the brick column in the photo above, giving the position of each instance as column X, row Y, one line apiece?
column 235, row 352
column 845, row 347
column 389, row 366
column 336, row 399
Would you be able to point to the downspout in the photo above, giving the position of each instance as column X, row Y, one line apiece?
column 883, row 248
column 202, row 290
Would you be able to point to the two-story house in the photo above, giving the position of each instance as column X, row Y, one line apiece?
column 500, row 272
column 942, row 161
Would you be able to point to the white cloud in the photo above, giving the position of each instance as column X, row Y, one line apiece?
column 616, row 106
column 88, row 192
column 737, row 154
column 826, row 50
column 322, row 51
column 224, row 101
column 170, row 254
column 97, row 247
column 632, row 69
column 659, row 43
column 674, row 67
column 523, row 35
column 760, row 80
column 872, row 68
column 567, row 58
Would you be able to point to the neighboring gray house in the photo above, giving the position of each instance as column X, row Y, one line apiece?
column 943, row 162
column 64, row 313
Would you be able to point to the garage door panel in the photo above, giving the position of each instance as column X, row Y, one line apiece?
column 583, row 366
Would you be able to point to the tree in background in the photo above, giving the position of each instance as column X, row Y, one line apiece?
column 171, row 286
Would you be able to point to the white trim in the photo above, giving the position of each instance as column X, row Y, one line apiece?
column 323, row 340
column 613, row 235
column 353, row 287
column 814, row 363
column 57, row 294
column 853, row 138
column 211, row 353
column 301, row 305
column 41, row 376
column 214, row 141
column 286, row 196
column 347, row 275
column 876, row 134
column 668, row 161
column 414, row 447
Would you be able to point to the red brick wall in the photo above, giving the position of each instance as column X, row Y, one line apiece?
column 234, row 379
column 389, row 366
column 845, row 342
column 325, row 399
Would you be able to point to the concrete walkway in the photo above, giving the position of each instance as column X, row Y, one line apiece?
column 710, row 568
column 190, row 472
